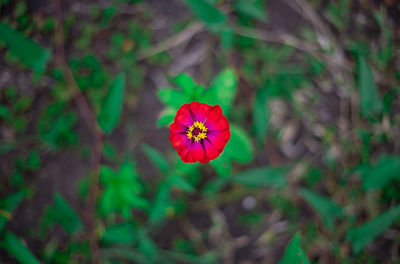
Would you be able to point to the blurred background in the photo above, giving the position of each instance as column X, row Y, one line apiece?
column 311, row 173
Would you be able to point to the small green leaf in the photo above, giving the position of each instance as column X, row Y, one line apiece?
column 156, row 157
column 166, row 116
column 160, row 203
column 120, row 234
column 29, row 52
column 179, row 181
column 250, row 9
column 222, row 164
column 31, row 163
column 261, row 177
column 239, row 147
column 185, row 82
column 8, row 205
column 121, row 191
column 62, row 213
column 324, row 206
column 172, row 97
column 370, row 102
column 387, row 168
column 294, row 254
column 113, row 103
column 359, row 237
column 260, row 114
column 222, row 90
column 214, row 19
column 17, row 249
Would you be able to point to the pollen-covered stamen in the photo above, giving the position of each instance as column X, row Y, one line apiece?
column 197, row 131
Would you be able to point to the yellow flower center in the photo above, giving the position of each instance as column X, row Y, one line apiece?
column 197, row 131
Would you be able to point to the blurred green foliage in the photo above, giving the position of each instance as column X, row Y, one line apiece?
column 312, row 158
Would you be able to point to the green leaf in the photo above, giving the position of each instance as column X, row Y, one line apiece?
column 120, row 234
column 222, row 164
column 185, row 82
column 294, row 254
column 261, row 177
column 8, row 205
column 324, row 206
column 214, row 19
column 179, row 181
column 361, row 236
column 122, row 190
column 260, row 114
column 156, row 157
column 172, row 97
column 239, row 147
column 62, row 213
column 370, row 102
column 250, row 9
column 179, row 257
column 222, row 90
column 387, row 168
column 160, row 203
column 112, row 106
column 17, row 249
column 27, row 51
column 166, row 117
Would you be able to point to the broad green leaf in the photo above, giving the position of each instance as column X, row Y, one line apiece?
column 166, row 117
column 214, row 186
column 62, row 213
column 222, row 90
column 370, row 102
column 120, row 234
column 160, row 203
column 222, row 164
column 359, row 237
column 27, row 51
column 261, row 177
column 294, row 254
column 260, row 114
column 239, row 147
column 156, row 157
column 172, row 97
column 250, row 9
column 112, row 106
column 387, row 168
column 147, row 246
column 179, row 181
column 185, row 82
column 226, row 39
column 8, row 205
column 214, row 19
column 17, row 249
column 324, row 206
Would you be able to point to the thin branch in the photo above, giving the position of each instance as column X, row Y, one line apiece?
column 173, row 41
column 277, row 38
column 90, row 118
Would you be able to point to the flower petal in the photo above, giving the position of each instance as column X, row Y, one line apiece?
column 216, row 120
column 196, row 152
column 200, row 111
column 184, row 116
column 178, row 140
column 211, row 151
column 218, row 139
column 177, row 128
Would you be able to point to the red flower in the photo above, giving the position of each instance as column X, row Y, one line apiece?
column 199, row 132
